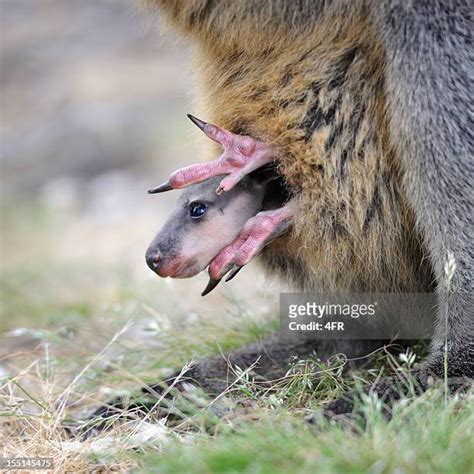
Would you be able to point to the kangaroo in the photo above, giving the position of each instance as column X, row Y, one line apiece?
column 365, row 108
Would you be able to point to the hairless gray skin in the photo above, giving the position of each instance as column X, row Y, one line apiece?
column 204, row 224
column 221, row 220
column 200, row 226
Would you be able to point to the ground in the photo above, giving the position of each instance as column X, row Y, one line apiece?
column 77, row 332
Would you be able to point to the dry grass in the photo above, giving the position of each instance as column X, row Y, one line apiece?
column 81, row 329
column 41, row 407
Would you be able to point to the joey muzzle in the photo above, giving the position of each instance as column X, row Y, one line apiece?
column 166, row 261
column 153, row 258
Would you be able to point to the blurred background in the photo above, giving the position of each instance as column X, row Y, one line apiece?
column 93, row 104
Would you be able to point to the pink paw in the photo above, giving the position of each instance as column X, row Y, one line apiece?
column 258, row 232
column 242, row 155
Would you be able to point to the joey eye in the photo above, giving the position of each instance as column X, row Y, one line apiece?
column 197, row 210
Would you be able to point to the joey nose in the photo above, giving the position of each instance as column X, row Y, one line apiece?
column 153, row 259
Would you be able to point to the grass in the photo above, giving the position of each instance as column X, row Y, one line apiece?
column 78, row 332
column 425, row 436
column 262, row 430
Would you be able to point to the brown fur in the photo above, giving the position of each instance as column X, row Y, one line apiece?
column 366, row 103
column 315, row 92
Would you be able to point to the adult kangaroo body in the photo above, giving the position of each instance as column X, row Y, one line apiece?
column 367, row 106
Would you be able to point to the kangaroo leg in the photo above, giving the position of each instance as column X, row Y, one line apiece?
column 258, row 232
column 241, row 155
column 269, row 359
column 429, row 102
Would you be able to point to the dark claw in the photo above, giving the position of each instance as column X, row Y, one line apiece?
column 161, row 188
column 235, row 269
column 210, row 286
column 198, row 122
